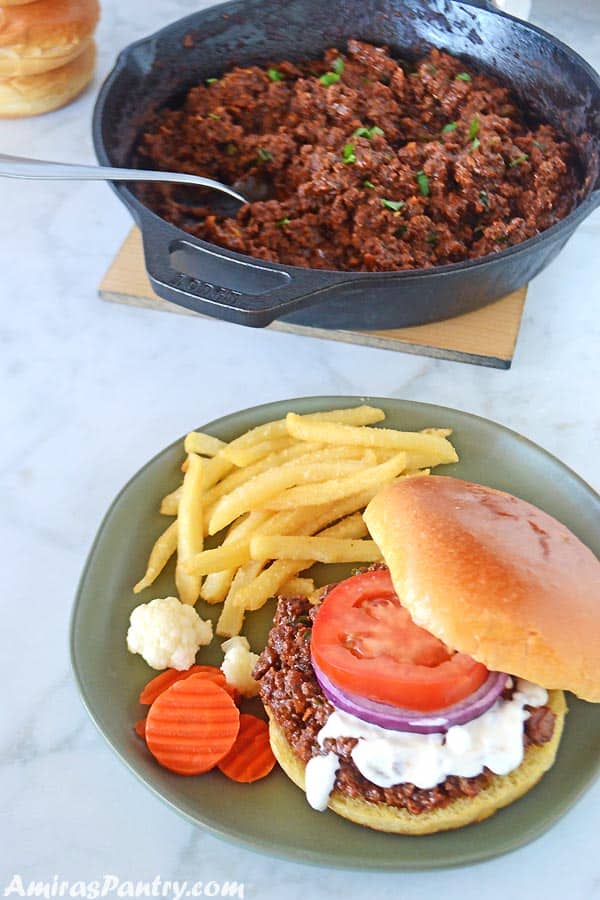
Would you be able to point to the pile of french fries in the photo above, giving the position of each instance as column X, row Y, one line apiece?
column 279, row 498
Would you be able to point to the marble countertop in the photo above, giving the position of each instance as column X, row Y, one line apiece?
column 91, row 390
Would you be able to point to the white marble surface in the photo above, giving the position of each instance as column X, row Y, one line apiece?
column 91, row 390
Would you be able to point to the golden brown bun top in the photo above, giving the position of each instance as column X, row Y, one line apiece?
column 494, row 577
column 47, row 23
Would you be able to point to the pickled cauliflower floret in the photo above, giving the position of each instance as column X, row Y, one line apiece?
column 167, row 633
column 238, row 664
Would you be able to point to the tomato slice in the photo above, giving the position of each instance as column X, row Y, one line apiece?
column 365, row 641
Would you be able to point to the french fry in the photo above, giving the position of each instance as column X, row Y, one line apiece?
column 215, row 469
column 203, row 444
column 170, row 503
column 162, row 551
column 255, row 452
column 356, row 415
column 262, row 488
column 241, row 475
column 232, row 615
column 190, row 531
column 441, row 432
column 217, row 584
column 336, row 433
column 338, row 487
column 321, row 549
column 227, row 556
column 297, row 587
column 254, row 595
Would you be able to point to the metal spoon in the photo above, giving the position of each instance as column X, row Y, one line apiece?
column 22, row 167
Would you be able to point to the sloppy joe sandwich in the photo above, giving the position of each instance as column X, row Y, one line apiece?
column 425, row 693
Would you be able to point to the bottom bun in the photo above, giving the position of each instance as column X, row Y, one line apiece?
column 501, row 790
column 31, row 95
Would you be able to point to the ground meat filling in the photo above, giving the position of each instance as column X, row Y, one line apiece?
column 289, row 688
column 366, row 163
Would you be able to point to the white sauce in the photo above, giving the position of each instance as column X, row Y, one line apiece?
column 320, row 778
column 493, row 740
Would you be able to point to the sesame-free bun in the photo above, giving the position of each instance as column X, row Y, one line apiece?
column 44, row 35
column 500, row 791
column 30, row 95
column 494, row 577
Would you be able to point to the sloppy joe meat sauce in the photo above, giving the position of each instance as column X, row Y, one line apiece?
column 367, row 163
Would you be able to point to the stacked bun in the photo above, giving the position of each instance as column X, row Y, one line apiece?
column 47, row 53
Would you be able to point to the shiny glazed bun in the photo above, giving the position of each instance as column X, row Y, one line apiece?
column 44, row 35
column 501, row 790
column 30, row 95
column 493, row 577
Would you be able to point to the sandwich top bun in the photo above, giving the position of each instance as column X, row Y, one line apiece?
column 493, row 577
column 37, row 37
column 30, row 95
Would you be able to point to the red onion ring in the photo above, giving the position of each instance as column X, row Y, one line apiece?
column 396, row 718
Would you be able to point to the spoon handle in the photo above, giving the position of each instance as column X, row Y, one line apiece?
column 22, row 167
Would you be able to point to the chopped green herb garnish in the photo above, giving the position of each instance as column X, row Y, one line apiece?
column 307, row 634
column 518, row 160
column 303, row 620
column 423, row 182
column 210, row 80
column 329, row 78
column 282, row 222
column 348, row 154
column 264, row 155
column 451, row 126
column 393, row 204
column 540, row 146
column 213, row 116
column 368, row 132
column 368, row 184
column 484, row 199
column 432, row 237
column 338, row 65
column 473, row 128
column 275, row 75
column 431, row 69
column 463, row 76
column 230, row 150
column 475, row 144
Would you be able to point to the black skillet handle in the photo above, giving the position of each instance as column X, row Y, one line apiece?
column 220, row 284
column 481, row 4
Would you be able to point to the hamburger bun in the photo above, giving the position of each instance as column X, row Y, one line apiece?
column 30, row 95
column 494, row 577
column 501, row 790
column 15, row 2
column 44, row 35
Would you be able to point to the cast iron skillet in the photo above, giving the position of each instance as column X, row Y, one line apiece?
column 550, row 78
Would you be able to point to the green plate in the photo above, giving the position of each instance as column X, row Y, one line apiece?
column 273, row 816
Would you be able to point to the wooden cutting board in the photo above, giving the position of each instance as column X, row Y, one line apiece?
column 486, row 337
